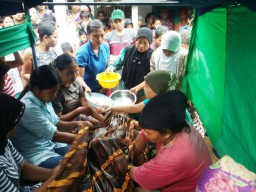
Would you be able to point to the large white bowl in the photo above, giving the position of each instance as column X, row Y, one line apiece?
column 97, row 100
column 123, row 97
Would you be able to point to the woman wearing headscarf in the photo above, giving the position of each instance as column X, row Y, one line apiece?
column 13, row 167
column 135, row 60
column 182, row 154
column 171, row 57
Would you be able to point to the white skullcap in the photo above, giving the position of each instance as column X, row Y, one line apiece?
column 171, row 41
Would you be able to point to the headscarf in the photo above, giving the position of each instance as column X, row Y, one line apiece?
column 11, row 111
column 145, row 32
column 158, row 81
column 170, row 107
column 170, row 41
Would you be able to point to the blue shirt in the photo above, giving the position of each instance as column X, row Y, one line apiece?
column 34, row 132
column 92, row 63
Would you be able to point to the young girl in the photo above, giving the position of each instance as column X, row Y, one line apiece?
column 158, row 33
column 40, row 128
column 70, row 102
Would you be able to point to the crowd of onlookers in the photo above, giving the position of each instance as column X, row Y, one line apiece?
column 151, row 59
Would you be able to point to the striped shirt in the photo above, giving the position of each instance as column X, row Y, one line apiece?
column 10, row 165
column 8, row 87
column 117, row 43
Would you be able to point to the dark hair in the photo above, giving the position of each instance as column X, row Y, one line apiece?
column 64, row 60
column 160, row 30
column 45, row 77
column 82, row 32
column 94, row 25
column 101, row 12
column 149, row 15
column 67, row 47
column 46, row 28
column 1, row 19
column 156, row 19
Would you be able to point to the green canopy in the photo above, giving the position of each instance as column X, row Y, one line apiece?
column 221, row 82
column 16, row 38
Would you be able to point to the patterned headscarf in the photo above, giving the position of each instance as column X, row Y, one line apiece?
column 11, row 111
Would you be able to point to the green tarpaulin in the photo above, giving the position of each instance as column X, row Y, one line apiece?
column 221, row 82
column 16, row 38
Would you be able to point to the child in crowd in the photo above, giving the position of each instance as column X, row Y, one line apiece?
column 67, row 48
column 165, row 18
column 158, row 37
column 82, row 36
column 157, row 22
column 128, row 23
column 140, row 22
column 70, row 102
column 156, row 82
column 15, row 68
column 85, row 19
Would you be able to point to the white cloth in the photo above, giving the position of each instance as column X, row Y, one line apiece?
column 162, row 62
column 171, row 41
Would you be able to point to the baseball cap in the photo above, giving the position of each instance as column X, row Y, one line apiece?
column 117, row 14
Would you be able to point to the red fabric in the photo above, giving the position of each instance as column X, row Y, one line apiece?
column 177, row 166
column 8, row 87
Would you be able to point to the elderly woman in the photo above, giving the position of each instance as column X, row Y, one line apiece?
column 135, row 60
column 182, row 154
column 93, row 57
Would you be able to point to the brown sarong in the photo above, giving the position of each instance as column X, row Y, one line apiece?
column 98, row 162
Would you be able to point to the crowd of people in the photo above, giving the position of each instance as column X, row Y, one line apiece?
column 52, row 106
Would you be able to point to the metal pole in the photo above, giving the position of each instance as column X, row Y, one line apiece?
column 35, row 65
column 116, row 3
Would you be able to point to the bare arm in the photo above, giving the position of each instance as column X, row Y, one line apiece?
column 140, row 145
column 32, row 172
column 81, row 80
column 63, row 137
column 73, row 114
column 137, row 88
column 126, row 109
column 27, row 68
column 43, row 187
column 69, row 126
column 17, row 61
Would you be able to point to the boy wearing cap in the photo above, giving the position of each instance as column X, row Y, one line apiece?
column 156, row 82
column 119, row 37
